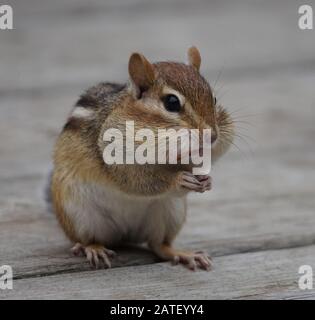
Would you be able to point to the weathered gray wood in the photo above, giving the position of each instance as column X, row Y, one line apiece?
column 263, row 196
column 280, row 162
column 228, row 228
column 34, row 245
column 259, row 275
column 91, row 39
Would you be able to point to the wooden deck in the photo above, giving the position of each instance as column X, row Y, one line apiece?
column 258, row 222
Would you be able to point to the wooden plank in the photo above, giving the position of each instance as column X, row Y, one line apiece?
column 63, row 40
column 263, row 275
column 253, row 205
column 278, row 163
column 39, row 247
column 229, row 229
column 260, row 202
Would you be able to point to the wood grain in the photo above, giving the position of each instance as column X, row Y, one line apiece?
column 259, row 275
column 257, row 222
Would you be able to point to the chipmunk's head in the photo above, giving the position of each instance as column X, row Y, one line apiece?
column 175, row 95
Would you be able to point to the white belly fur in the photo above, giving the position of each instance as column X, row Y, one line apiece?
column 104, row 215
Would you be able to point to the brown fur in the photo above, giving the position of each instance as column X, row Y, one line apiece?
column 194, row 58
column 78, row 151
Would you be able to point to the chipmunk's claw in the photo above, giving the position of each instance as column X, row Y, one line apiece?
column 95, row 254
column 193, row 260
column 200, row 183
column 206, row 182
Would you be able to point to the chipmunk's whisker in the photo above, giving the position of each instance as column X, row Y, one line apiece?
column 222, row 93
column 218, row 78
column 243, row 139
column 229, row 140
column 235, row 120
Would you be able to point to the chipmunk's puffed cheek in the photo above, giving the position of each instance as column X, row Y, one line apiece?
column 81, row 112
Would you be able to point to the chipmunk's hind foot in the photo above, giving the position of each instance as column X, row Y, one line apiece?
column 194, row 260
column 96, row 254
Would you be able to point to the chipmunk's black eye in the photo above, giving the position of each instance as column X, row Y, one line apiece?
column 171, row 103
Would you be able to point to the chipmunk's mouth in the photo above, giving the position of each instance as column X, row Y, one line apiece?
column 199, row 147
column 199, row 159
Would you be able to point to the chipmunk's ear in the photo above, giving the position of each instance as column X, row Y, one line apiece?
column 141, row 72
column 194, row 58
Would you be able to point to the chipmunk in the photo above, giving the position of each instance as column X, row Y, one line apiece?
column 99, row 205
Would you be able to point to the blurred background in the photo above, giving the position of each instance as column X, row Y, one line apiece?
column 260, row 64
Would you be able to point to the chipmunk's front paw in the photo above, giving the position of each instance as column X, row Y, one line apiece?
column 193, row 260
column 191, row 182
column 95, row 254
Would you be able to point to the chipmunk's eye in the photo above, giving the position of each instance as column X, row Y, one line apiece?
column 215, row 100
column 171, row 103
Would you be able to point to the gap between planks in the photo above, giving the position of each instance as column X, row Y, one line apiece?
column 259, row 275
